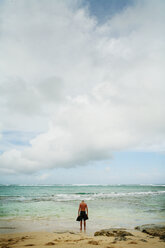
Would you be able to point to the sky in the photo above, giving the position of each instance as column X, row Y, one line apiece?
column 82, row 92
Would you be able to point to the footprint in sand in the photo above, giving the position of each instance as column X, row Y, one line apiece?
column 10, row 240
column 143, row 240
column 24, row 237
column 77, row 240
column 13, row 241
column 132, row 242
column 50, row 243
column 114, row 242
column 29, row 245
column 57, row 240
column 69, row 241
column 93, row 242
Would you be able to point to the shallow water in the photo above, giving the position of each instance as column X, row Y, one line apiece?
column 109, row 205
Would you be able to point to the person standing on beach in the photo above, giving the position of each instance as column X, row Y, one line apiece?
column 82, row 214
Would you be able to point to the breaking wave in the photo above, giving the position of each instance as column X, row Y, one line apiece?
column 78, row 196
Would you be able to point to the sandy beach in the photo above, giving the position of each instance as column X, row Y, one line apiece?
column 76, row 239
column 46, row 216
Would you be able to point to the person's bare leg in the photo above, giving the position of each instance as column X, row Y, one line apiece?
column 84, row 225
column 81, row 225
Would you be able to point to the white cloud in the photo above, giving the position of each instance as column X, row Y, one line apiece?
column 90, row 89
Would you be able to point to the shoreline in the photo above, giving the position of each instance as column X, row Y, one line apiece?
column 8, row 226
column 20, row 226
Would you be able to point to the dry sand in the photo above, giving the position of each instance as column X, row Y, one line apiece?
column 69, row 239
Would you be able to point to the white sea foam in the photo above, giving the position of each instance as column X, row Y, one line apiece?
column 78, row 197
column 81, row 185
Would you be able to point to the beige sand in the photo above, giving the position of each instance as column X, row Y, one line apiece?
column 47, row 239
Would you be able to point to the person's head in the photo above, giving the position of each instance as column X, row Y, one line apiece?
column 82, row 200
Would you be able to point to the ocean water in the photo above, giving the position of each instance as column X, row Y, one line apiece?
column 109, row 205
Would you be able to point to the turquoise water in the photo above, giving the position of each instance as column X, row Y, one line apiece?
column 109, row 205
